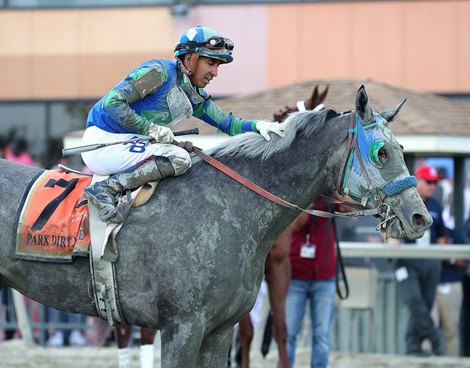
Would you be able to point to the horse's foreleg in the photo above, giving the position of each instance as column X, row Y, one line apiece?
column 245, row 336
column 215, row 348
column 181, row 343
column 278, row 274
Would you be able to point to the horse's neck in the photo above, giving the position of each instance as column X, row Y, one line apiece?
column 297, row 175
column 312, row 161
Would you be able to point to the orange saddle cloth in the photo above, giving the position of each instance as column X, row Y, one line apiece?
column 53, row 222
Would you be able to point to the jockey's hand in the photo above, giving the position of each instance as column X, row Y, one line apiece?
column 160, row 133
column 266, row 127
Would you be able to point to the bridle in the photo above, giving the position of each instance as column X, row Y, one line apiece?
column 378, row 193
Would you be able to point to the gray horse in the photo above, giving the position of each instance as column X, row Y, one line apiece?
column 191, row 260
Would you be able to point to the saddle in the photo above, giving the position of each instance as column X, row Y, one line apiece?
column 129, row 199
column 143, row 196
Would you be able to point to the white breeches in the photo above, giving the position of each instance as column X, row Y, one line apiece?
column 120, row 157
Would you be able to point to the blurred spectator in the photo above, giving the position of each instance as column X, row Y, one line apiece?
column 98, row 331
column 66, row 336
column 17, row 151
column 444, row 187
column 418, row 278
column 449, row 296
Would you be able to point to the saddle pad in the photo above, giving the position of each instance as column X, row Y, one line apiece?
column 53, row 223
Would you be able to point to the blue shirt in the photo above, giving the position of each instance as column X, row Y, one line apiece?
column 141, row 98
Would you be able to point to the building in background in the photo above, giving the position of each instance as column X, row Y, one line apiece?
column 59, row 57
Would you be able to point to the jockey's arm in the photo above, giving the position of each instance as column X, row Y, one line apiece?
column 211, row 113
column 132, row 89
column 214, row 115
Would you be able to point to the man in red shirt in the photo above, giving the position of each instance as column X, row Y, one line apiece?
column 313, row 261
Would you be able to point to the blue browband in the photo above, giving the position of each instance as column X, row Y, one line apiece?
column 400, row 186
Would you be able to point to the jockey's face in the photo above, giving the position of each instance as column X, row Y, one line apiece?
column 206, row 69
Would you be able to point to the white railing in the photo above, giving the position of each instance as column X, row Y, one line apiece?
column 382, row 250
column 381, row 326
column 348, row 250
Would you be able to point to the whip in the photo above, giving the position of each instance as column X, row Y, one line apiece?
column 92, row 147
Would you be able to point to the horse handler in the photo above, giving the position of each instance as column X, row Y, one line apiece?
column 153, row 95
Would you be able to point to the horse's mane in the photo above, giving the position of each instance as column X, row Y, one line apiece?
column 254, row 145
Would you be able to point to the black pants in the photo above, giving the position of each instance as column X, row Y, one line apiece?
column 465, row 344
column 419, row 291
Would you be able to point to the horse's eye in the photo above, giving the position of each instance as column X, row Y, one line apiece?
column 378, row 154
column 382, row 155
column 382, row 152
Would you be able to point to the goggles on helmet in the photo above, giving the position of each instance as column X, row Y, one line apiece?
column 213, row 43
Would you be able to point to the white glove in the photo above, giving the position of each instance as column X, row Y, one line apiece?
column 266, row 127
column 160, row 133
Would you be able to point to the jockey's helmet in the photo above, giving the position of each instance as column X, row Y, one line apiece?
column 206, row 42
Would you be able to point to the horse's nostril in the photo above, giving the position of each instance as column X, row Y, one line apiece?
column 419, row 220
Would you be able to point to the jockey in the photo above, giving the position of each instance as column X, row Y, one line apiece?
column 153, row 95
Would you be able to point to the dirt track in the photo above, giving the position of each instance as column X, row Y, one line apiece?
column 15, row 354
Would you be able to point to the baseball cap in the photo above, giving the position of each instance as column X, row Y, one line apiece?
column 428, row 173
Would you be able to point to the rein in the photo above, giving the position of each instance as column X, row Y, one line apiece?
column 264, row 193
column 272, row 197
column 383, row 209
column 244, row 181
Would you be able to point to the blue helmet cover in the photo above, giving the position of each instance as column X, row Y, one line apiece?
column 202, row 34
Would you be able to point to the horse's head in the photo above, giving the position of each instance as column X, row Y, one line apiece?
column 375, row 173
column 314, row 101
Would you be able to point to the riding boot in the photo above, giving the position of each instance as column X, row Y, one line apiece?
column 103, row 194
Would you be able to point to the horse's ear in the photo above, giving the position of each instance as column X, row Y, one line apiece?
column 322, row 96
column 389, row 114
column 313, row 100
column 316, row 99
column 362, row 105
